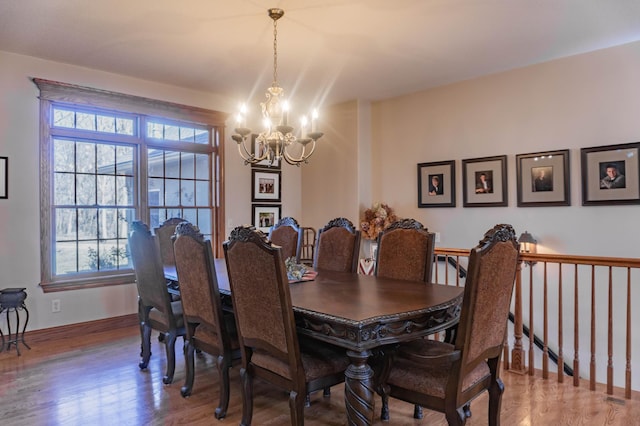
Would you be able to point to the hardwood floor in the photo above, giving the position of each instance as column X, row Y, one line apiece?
column 95, row 380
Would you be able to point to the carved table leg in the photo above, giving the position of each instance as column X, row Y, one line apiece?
column 358, row 393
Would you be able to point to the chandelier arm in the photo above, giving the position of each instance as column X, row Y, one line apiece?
column 303, row 158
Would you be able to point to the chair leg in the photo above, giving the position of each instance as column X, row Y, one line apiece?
column 185, row 391
column 170, row 342
column 384, row 411
column 145, row 334
column 307, row 400
column 326, row 392
column 224, row 364
column 247, row 397
column 296, row 406
column 455, row 417
column 417, row 412
column 495, row 399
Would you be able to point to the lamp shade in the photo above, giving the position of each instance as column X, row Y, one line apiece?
column 527, row 242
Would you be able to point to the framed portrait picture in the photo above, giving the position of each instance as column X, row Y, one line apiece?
column 4, row 177
column 610, row 174
column 258, row 152
column 484, row 182
column 265, row 216
column 543, row 179
column 437, row 184
column 265, row 185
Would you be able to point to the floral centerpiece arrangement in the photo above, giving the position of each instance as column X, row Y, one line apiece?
column 378, row 217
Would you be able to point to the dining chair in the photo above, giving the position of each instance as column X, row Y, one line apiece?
column 337, row 246
column 270, row 346
column 288, row 235
column 155, row 309
column 163, row 234
column 405, row 251
column 208, row 327
column 446, row 377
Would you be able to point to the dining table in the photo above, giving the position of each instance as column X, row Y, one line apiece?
column 362, row 314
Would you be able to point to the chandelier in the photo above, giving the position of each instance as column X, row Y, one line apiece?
column 278, row 138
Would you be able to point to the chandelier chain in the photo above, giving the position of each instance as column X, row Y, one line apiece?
column 275, row 52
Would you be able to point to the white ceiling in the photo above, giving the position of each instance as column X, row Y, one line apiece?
column 328, row 50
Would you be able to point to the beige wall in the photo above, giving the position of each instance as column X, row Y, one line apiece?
column 582, row 101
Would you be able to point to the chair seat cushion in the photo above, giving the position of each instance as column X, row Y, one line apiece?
column 426, row 377
column 318, row 360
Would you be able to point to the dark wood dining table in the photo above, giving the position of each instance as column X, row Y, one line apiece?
column 362, row 314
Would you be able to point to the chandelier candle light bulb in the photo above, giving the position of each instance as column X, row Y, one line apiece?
column 275, row 144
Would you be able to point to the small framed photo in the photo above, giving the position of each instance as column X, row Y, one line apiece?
column 265, row 185
column 543, row 179
column 484, row 182
column 437, row 184
column 4, row 177
column 265, row 216
column 258, row 151
column 610, row 174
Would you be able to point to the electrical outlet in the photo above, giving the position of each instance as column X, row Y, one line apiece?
column 55, row 305
column 437, row 237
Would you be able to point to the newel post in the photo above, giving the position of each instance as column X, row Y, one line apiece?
column 517, row 353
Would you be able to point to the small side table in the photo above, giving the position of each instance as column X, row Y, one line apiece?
column 12, row 300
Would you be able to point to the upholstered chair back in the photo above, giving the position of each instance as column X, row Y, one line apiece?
column 405, row 251
column 152, row 286
column 487, row 297
column 288, row 235
column 262, row 302
column 337, row 246
column 199, row 292
column 163, row 236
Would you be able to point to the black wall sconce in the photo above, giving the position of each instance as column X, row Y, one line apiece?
column 528, row 245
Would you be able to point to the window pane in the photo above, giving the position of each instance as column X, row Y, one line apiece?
column 187, row 192
column 187, row 134
column 202, row 193
column 202, row 166
column 66, row 225
column 124, row 191
column 155, row 130
column 87, row 224
column 156, row 192
column 187, row 162
column 65, row 258
column 88, row 256
column 85, row 157
column 126, row 216
column 124, row 160
column 86, row 189
column 172, row 133
column 63, row 188
column 63, row 155
column 172, row 164
column 204, row 222
column 106, row 124
column 124, row 126
column 63, row 118
column 85, row 121
column 172, row 192
column 110, row 255
column 191, row 215
column 202, row 136
column 106, row 190
column 106, row 159
column 108, row 223
column 156, row 217
column 155, row 163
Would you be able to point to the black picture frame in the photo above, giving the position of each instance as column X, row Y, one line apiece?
column 264, row 164
column 265, row 216
column 598, row 188
column 494, row 193
column 445, row 194
column 265, row 185
column 4, row 177
column 543, row 179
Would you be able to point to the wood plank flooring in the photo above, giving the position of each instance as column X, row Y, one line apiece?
column 95, row 380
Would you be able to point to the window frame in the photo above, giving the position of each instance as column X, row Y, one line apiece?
column 53, row 92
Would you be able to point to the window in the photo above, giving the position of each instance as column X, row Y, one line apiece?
column 108, row 159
